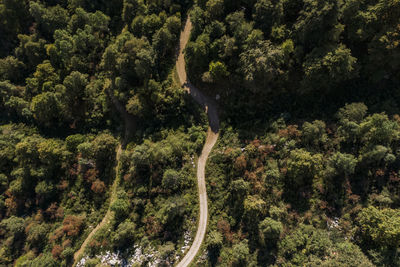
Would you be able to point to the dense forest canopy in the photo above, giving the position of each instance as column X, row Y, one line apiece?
column 93, row 119
column 290, row 56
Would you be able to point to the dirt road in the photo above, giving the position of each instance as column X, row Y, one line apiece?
column 212, row 135
column 106, row 218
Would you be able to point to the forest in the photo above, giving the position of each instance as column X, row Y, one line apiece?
column 99, row 139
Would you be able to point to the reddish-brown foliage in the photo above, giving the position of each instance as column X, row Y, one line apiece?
column 290, row 131
column 11, row 205
column 57, row 235
column 94, row 244
column 56, row 251
column 225, row 228
column 63, row 185
column 74, row 170
column 72, row 225
column 127, row 177
column 91, row 175
column 98, row 187
column 379, row 173
column 153, row 226
column 240, row 163
column 51, row 211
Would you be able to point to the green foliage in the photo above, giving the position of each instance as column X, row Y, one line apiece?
column 74, row 74
column 120, row 206
column 218, row 71
column 270, row 231
column 46, row 108
column 380, row 226
column 124, row 235
column 171, row 180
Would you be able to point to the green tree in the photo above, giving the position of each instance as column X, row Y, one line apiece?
column 46, row 108
column 171, row 180
column 327, row 68
column 37, row 236
column 31, row 50
column 44, row 79
column 314, row 134
column 125, row 234
column 121, row 206
column 270, row 231
column 215, row 8
column 380, row 226
column 261, row 65
column 317, row 23
column 49, row 18
column 266, row 14
column 11, row 69
column 302, row 167
column 75, row 87
column 218, row 71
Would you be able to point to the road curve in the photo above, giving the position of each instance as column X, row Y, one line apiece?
column 212, row 135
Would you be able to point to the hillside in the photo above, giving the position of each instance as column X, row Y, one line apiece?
column 199, row 133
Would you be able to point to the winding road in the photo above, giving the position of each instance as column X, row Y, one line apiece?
column 212, row 135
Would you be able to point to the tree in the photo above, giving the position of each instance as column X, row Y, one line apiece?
column 314, row 134
column 98, row 186
column 261, row 65
column 103, row 147
column 49, row 18
column 302, row 167
column 341, row 164
column 266, row 14
column 14, row 16
column 31, row 50
column 72, row 225
column 135, row 106
column 254, row 209
column 37, row 236
column 14, row 226
column 11, row 69
column 120, row 206
column 317, row 23
column 214, row 240
column 129, row 57
column 44, row 260
column 171, row 180
column 348, row 254
column 377, row 129
column 131, row 8
column 46, row 108
column 167, row 251
column 171, row 211
column 163, row 42
column 218, row 71
column 215, row 8
column 72, row 142
column 44, row 79
column 327, row 68
column 124, row 235
column 302, row 244
column 75, row 86
column 352, row 112
column 380, row 226
column 240, row 254
column 270, row 231
column 45, row 190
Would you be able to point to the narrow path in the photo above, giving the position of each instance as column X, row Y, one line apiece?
column 212, row 135
column 107, row 217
